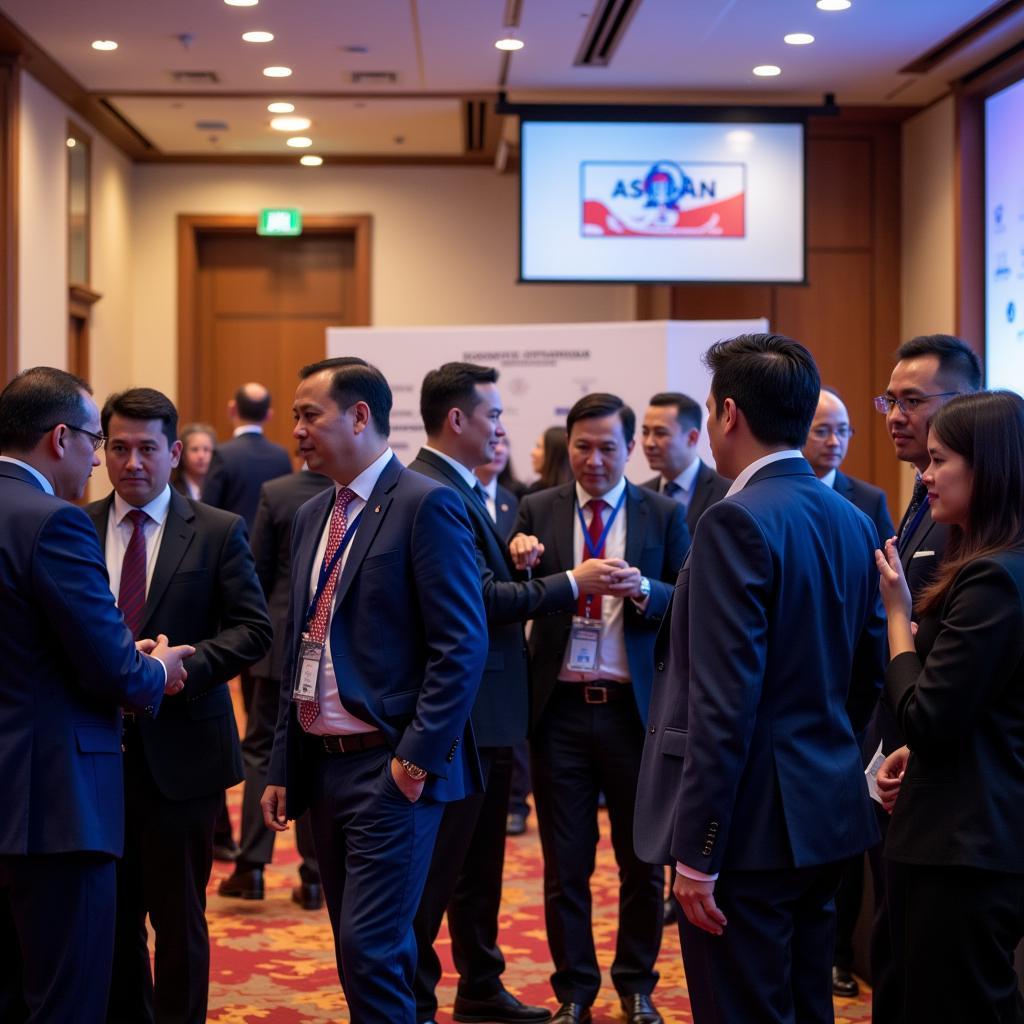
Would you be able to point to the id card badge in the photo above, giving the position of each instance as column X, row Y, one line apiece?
column 583, row 651
column 308, row 669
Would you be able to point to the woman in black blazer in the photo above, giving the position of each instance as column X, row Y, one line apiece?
column 956, row 791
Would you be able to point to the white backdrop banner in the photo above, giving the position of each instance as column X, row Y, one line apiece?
column 544, row 369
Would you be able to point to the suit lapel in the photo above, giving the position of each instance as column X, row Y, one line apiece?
column 99, row 513
column 178, row 534
column 843, row 485
column 469, row 497
column 637, row 514
column 563, row 508
column 310, row 541
column 701, row 493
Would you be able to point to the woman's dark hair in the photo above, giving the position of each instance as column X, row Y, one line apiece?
column 188, row 431
column 987, row 430
column 554, row 469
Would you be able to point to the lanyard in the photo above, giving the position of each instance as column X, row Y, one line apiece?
column 328, row 567
column 588, row 543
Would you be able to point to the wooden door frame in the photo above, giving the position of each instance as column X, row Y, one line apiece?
column 192, row 226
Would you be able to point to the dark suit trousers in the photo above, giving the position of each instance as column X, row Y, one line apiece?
column 166, row 865
column 578, row 751
column 257, row 841
column 56, row 937
column 520, row 790
column 848, row 901
column 374, row 849
column 465, row 880
column 954, row 944
column 773, row 964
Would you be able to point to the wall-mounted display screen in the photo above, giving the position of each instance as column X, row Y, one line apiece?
column 634, row 202
column 1004, row 239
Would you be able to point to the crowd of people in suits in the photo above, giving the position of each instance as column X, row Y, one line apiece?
column 731, row 662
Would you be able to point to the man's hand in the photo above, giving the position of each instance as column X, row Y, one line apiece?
column 625, row 582
column 890, row 777
column 145, row 646
column 595, row 575
column 698, row 902
column 411, row 788
column 274, row 808
column 172, row 657
column 525, row 551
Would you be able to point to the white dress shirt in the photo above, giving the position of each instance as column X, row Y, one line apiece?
column 829, row 479
column 119, row 533
column 247, row 428
column 491, row 494
column 685, row 482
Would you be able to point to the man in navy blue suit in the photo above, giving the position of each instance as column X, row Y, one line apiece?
column 385, row 649
column 69, row 664
column 752, row 781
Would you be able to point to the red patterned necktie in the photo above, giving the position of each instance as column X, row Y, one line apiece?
column 596, row 528
column 131, row 596
column 309, row 710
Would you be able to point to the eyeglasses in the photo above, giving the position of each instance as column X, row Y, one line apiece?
column 884, row 403
column 823, row 433
column 97, row 440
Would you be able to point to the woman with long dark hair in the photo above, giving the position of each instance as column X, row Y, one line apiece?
column 198, row 443
column 956, row 791
column 550, row 457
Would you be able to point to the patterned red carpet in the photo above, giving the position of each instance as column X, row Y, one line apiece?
column 273, row 963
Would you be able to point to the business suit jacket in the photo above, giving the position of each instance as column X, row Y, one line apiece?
column 501, row 711
column 751, row 761
column 709, row 487
column 656, row 543
column 870, row 500
column 959, row 699
column 69, row 663
column 507, row 508
column 238, row 469
column 204, row 592
column 407, row 636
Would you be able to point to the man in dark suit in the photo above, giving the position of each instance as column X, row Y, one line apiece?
column 69, row 664
column 386, row 645
column 591, row 687
column 185, row 569
column 501, row 503
column 280, row 499
column 752, row 780
column 930, row 370
column 461, row 410
column 670, row 432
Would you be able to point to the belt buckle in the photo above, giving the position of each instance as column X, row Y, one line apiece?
column 595, row 694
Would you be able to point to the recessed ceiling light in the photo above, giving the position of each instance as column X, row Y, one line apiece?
column 280, row 108
column 71, row 143
column 311, row 161
column 767, row 70
column 277, row 72
column 833, row 5
column 798, row 38
column 509, row 44
column 258, row 37
column 290, row 124
column 241, row 3
column 356, row 48
column 299, row 142
column 104, row 44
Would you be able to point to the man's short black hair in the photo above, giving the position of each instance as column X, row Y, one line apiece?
column 355, row 380
column 252, row 410
column 34, row 402
column 688, row 412
column 957, row 360
column 451, row 386
column 772, row 379
column 600, row 404
column 142, row 404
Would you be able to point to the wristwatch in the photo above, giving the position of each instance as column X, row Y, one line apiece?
column 414, row 771
column 645, row 588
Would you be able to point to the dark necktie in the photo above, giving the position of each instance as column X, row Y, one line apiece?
column 910, row 519
column 309, row 710
column 594, row 530
column 131, row 595
column 478, row 490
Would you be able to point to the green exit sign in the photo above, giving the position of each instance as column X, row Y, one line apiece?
column 279, row 222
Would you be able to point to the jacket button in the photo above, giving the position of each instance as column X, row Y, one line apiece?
column 661, row 666
column 653, row 729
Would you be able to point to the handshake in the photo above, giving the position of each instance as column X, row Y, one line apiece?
column 608, row 577
column 172, row 658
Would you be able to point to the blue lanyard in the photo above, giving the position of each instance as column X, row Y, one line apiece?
column 328, row 567
column 588, row 543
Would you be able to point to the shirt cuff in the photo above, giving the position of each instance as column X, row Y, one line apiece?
column 572, row 583
column 694, row 874
column 162, row 665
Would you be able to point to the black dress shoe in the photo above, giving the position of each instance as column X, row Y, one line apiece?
column 243, row 885
column 670, row 913
column 515, row 824
column 309, row 895
column 638, row 1009
column 572, row 1013
column 844, row 984
column 502, row 1007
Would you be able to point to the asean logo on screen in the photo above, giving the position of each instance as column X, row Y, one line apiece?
column 663, row 199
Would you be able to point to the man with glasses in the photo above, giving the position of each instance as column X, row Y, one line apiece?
column 930, row 370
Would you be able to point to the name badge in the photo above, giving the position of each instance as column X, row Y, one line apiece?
column 583, row 652
column 308, row 669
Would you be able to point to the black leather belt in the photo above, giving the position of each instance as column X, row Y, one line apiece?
column 600, row 692
column 353, row 743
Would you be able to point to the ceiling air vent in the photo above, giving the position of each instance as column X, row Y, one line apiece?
column 607, row 26
column 374, row 77
column 211, row 126
column 196, row 77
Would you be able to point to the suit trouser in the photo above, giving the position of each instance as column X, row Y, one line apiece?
column 773, row 963
column 374, row 849
column 579, row 750
column 56, row 937
column 520, row 788
column 849, row 897
column 257, row 841
column 168, row 855
column 465, row 880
